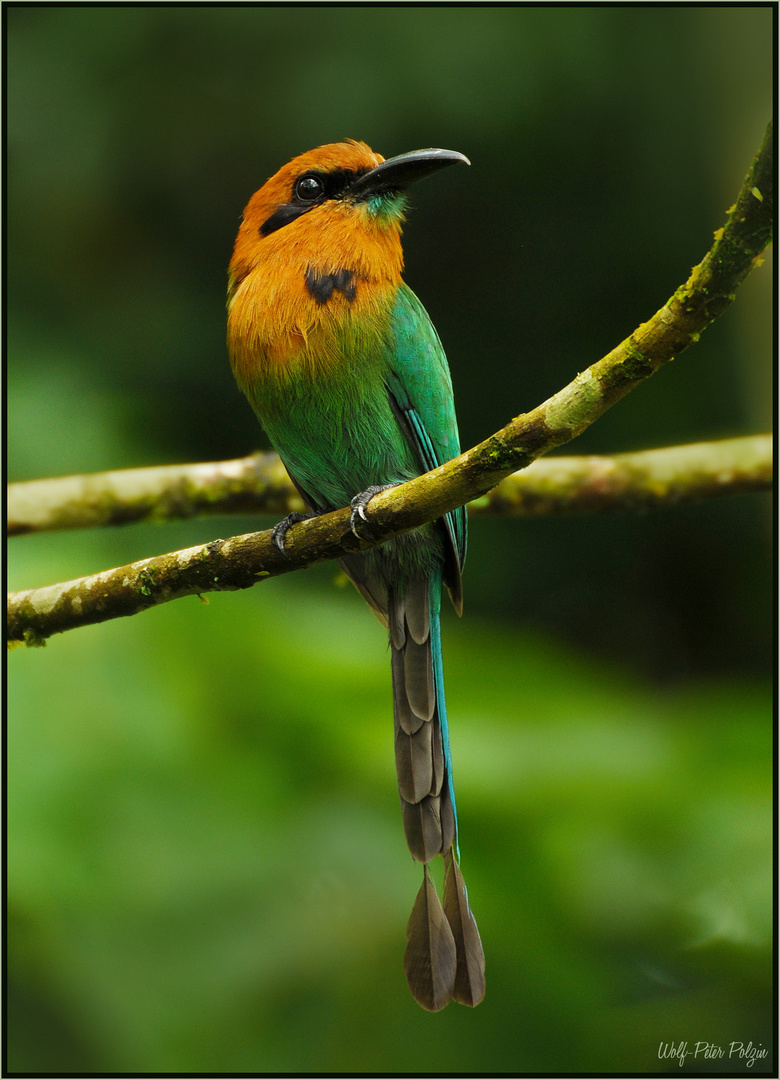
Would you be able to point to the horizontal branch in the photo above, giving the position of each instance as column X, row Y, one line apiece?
column 259, row 484
column 644, row 480
column 243, row 560
column 256, row 484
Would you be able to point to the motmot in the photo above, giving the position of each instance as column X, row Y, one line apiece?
column 345, row 371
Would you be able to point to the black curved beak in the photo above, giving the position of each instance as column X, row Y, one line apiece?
column 397, row 173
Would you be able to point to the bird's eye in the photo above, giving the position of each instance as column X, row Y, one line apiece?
column 309, row 188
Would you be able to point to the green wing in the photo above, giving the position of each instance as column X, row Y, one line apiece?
column 421, row 395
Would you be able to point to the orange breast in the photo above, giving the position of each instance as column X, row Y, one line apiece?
column 298, row 289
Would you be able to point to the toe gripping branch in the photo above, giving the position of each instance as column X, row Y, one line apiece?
column 358, row 518
column 279, row 531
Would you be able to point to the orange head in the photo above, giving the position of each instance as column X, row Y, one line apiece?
column 320, row 241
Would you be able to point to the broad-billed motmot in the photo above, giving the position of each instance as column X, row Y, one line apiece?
column 346, row 373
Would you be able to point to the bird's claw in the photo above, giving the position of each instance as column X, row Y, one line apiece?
column 359, row 506
column 280, row 530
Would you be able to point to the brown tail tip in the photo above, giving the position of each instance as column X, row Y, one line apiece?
column 430, row 959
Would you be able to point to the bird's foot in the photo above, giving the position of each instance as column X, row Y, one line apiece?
column 279, row 531
column 359, row 505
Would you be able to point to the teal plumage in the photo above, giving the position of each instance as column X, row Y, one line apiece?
column 345, row 370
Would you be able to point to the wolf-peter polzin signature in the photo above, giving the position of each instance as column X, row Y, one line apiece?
column 750, row 1053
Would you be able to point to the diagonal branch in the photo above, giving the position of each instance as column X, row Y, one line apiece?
column 243, row 560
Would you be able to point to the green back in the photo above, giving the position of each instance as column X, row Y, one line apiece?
column 420, row 383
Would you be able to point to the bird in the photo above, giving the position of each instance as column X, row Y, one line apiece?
column 345, row 371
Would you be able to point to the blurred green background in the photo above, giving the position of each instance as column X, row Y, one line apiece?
column 206, row 863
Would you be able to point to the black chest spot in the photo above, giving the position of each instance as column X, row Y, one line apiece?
column 322, row 286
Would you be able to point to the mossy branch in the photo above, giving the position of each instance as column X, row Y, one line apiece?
column 258, row 484
column 243, row 560
column 644, row 480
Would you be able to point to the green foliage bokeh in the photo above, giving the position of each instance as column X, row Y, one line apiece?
column 206, row 863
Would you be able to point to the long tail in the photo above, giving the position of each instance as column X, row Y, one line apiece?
column 444, row 960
